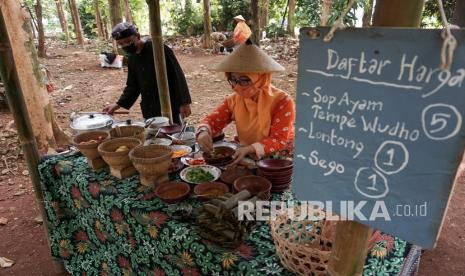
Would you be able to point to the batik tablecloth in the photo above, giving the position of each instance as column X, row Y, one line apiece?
column 101, row 225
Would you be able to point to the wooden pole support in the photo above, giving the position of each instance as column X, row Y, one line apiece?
column 349, row 249
column 159, row 56
column 17, row 104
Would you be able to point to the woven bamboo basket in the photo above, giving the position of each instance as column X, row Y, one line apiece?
column 128, row 131
column 117, row 160
column 152, row 162
column 229, row 43
column 90, row 150
column 304, row 247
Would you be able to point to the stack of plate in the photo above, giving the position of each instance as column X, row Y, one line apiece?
column 277, row 171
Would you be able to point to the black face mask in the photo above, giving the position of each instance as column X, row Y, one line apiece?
column 130, row 49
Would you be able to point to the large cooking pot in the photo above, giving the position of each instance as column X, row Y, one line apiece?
column 129, row 122
column 91, row 122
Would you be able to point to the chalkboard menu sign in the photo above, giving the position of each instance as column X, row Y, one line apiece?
column 379, row 131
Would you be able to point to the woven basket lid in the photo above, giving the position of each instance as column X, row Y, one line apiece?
column 239, row 17
column 248, row 58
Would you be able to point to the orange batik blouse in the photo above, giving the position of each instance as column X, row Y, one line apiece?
column 269, row 133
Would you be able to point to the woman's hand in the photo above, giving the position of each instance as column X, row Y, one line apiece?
column 205, row 141
column 240, row 154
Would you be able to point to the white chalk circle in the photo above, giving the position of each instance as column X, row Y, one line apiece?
column 371, row 183
column 391, row 157
column 441, row 121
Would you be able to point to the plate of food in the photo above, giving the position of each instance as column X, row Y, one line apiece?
column 180, row 151
column 192, row 161
column 200, row 174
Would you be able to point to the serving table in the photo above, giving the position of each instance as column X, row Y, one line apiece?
column 101, row 225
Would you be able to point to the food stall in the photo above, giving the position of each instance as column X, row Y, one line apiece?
column 106, row 223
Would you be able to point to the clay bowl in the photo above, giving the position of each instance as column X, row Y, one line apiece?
column 128, row 131
column 90, row 150
column 204, row 190
column 275, row 165
column 222, row 155
column 231, row 174
column 172, row 192
column 280, row 174
column 117, row 160
column 254, row 184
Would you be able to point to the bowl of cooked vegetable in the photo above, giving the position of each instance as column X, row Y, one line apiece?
column 200, row 174
column 209, row 190
column 219, row 155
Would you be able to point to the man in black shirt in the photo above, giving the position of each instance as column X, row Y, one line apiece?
column 142, row 79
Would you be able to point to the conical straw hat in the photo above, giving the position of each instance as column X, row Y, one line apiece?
column 239, row 17
column 248, row 59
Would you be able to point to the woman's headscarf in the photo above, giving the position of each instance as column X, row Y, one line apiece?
column 253, row 115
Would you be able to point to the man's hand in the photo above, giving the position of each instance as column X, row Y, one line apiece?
column 240, row 154
column 205, row 141
column 185, row 110
column 111, row 109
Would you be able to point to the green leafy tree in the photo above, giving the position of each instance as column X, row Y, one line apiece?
column 431, row 16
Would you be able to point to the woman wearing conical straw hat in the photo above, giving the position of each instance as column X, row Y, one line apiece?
column 242, row 31
column 264, row 115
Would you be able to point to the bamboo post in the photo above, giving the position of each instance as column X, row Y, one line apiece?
column 350, row 249
column 398, row 13
column 159, row 56
column 17, row 104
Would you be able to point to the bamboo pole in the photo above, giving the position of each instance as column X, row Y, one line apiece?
column 17, row 104
column 398, row 13
column 350, row 249
column 159, row 56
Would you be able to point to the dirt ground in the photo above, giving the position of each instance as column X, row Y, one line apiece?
column 81, row 85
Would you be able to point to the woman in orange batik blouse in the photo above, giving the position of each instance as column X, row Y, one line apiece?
column 264, row 115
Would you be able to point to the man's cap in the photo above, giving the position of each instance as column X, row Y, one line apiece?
column 239, row 17
column 248, row 58
column 123, row 30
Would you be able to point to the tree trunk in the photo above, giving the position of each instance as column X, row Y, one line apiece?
column 105, row 27
column 255, row 22
column 15, row 36
column 76, row 22
column 290, row 18
column 62, row 17
column 285, row 14
column 325, row 12
column 263, row 14
column 115, row 17
column 98, row 20
column 41, row 47
column 398, row 13
column 30, row 78
column 115, row 12
column 127, row 11
column 207, row 25
column 459, row 13
column 34, row 35
column 159, row 57
column 367, row 13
